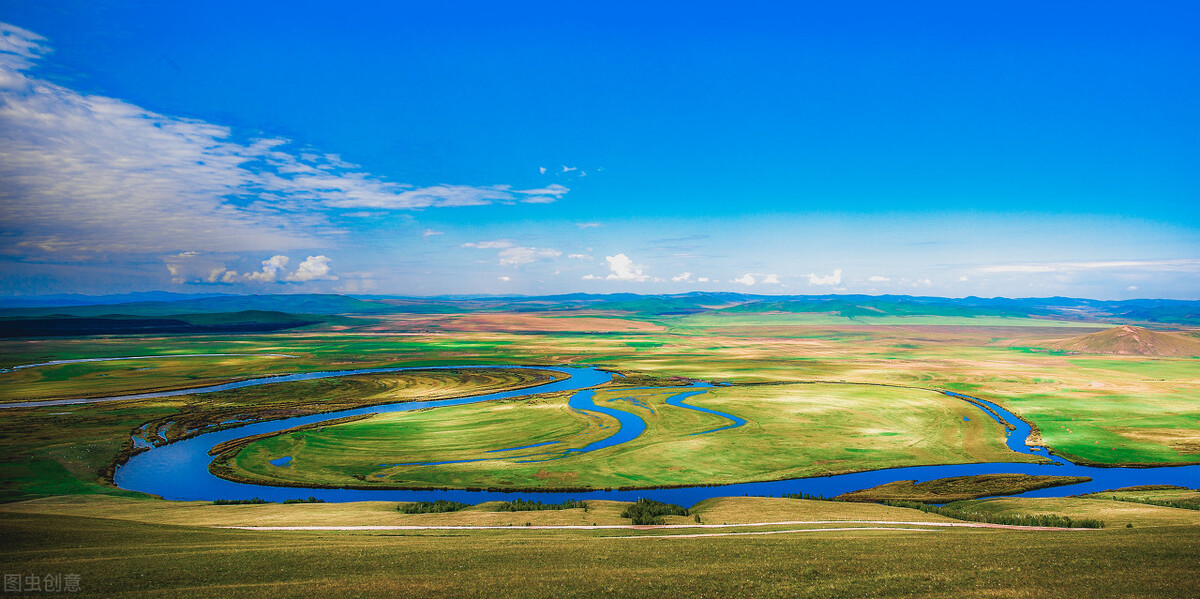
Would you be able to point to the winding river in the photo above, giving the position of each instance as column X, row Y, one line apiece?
column 179, row 470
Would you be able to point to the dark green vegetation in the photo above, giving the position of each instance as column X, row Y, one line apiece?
column 1160, row 495
column 963, row 511
column 252, row 501
column 957, row 488
column 440, row 506
column 127, row 559
column 524, row 505
column 648, row 511
column 250, row 321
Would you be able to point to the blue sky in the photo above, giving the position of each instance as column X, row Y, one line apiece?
column 928, row 148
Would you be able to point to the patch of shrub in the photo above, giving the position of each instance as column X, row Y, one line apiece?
column 523, row 505
column 1049, row 520
column 440, row 506
column 648, row 511
column 256, row 500
column 309, row 500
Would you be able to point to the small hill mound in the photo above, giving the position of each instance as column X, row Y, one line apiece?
column 1127, row 340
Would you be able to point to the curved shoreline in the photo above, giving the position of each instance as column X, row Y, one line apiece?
column 829, row 484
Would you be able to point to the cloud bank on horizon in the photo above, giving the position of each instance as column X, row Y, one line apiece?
column 102, row 195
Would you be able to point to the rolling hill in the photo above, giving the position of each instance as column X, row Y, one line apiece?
column 1127, row 340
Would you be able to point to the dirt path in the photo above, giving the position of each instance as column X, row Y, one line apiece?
column 891, row 523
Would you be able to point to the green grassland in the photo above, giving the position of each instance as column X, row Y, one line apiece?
column 792, row 431
column 71, row 449
column 1102, row 409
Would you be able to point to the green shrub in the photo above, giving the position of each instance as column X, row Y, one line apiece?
column 440, row 506
column 256, row 500
column 1049, row 520
column 522, row 505
column 648, row 511
column 309, row 500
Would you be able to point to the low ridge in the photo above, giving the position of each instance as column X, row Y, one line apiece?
column 1127, row 340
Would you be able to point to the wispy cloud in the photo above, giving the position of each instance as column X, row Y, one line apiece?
column 683, row 277
column 834, row 279
column 588, row 225
column 1183, row 265
column 511, row 254
column 96, row 174
column 431, row 233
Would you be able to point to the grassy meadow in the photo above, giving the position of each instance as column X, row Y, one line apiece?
column 792, row 431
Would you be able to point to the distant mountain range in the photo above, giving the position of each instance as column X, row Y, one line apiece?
column 156, row 305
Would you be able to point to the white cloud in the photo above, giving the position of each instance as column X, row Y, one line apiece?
column 270, row 269
column 193, row 267
column 702, row 280
column 431, row 233
column 771, row 279
column 579, row 256
column 623, row 269
column 591, row 278
column 588, row 225
column 196, row 267
column 517, row 256
column 964, row 279
column 877, row 279
column 542, row 170
column 746, row 279
column 567, row 169
column 96, row 174
column 833, row 279
column 683, row 277
column 488, row 245
column 1131, row 288
column 505, row 278
column 514, row 255
column 314, row 268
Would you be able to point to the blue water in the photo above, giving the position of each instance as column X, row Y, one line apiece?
column 180, row 470
column 677, row 401
column 282, row 462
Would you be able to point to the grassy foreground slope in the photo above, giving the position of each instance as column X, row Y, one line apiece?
column 792, row 431
column 120, row 558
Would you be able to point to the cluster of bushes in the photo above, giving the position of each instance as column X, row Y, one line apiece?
column 523, row 505
column 807, row 496
column 1186, row 504
column 648, row 511
column 1009, row 519
column 309, row 500
column 440, row 506
column 256, row 500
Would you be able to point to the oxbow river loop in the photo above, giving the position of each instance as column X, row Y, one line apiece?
column 179, row 470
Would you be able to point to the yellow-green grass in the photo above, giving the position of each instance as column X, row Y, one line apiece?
column 792, row 431
column 1149, row 493
column 58, row 450
column 121, row 558
column 957, row 488
column 715, row 511
column 1114, row 513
